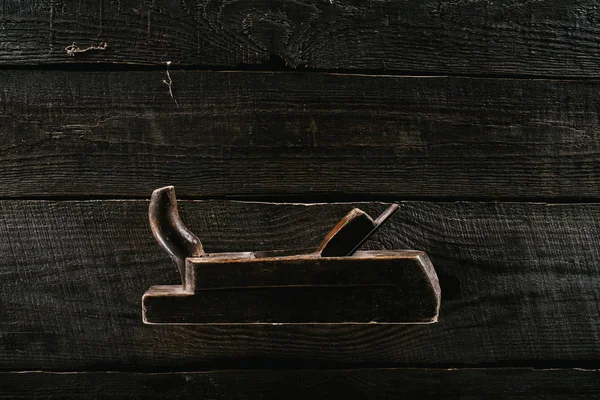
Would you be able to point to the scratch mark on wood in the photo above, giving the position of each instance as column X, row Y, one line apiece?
column 72, row 49
column 169, row 83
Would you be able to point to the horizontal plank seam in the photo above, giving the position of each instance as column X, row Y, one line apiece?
column 515, row 369
column 292, row 365
column 319, row 199
column 254, row 69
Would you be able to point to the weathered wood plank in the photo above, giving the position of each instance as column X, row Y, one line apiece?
column 519, row 284
column 550, row 37
column 244, row 134
column 386, row 383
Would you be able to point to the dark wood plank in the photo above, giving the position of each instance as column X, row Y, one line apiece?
column 519, row 285
column 303, row 384
column 550, row 37
column 244, row 134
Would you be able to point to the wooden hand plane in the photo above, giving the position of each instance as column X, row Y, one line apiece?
column 333, row 284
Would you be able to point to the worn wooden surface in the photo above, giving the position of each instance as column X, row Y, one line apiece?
column 520, row 37
column 519, row 286
column 89, row 110
column 241, row 134
column 370, row 268
column 492, row 383
column 371, row 287
column 170, row 232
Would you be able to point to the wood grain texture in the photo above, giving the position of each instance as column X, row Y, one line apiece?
column 549, row 37
column 493, row 383
column 519, row 285
column 276, row 134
